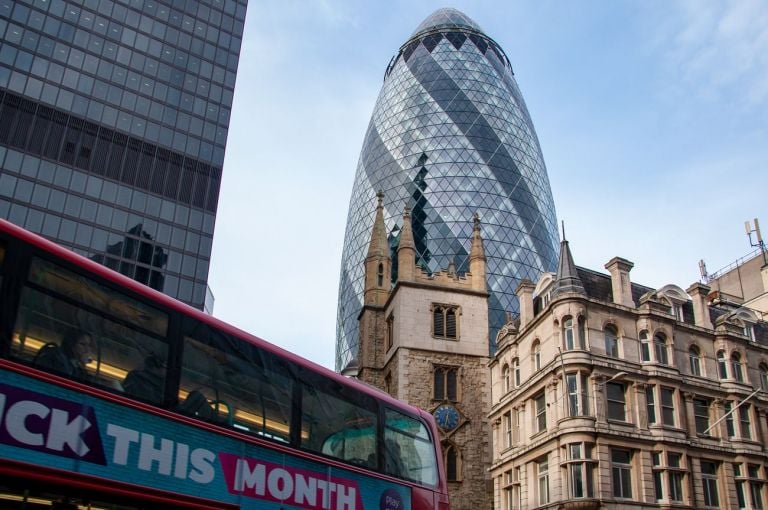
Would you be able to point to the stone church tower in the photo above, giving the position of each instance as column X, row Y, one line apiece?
column 425, row 341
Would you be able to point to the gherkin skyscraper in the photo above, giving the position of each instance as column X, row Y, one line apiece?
column 450, row 135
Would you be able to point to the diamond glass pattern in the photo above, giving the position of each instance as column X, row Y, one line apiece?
column 450, row 135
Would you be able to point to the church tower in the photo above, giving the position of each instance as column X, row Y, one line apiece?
column 425, row 341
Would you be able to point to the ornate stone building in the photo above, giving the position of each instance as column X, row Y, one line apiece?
column 425, row 341
column 609, row 394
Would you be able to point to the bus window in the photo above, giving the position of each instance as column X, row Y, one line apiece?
column 63, row 328
column 230, row 382
column 409, row 450
column 338, row 428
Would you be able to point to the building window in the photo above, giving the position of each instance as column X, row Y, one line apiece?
column 540, row 403
column 390, row 331
column 388, row 384
column 621, row 471
column 675, row 476
column 668, row 406
column 380, row 276
column 536, row 355
column 709, row 482
column 516, row 372
column 745, row 426
column 701, row 414
column 736, row 367
column 445, row 321
column 756, row 483
column 508, row 498
column 748, row 330
column 512, row 490
column 507, row 422
column 722, row 365
column 660, row 348
column 730, row 429
column 505, row 377
column 580, row 469
column 568, row 333
column 516, row 425
column 672, row 472
column 611, row 341
column 574, row 338
column 650, row 399
column 578, row 397
column 658, row 475
column 645, row 347
column 445, row 383
column 617, row 408
column 452, row 462
column 694, row 356
column 542, row 468
column 741, row 499
column 763, row 368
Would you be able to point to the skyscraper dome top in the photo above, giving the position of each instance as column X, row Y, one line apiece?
column 447, row 18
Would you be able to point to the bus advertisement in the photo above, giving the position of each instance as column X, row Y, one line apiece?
column 56, row 427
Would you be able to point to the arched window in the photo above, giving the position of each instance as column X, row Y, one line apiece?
column 452, row 462
column 722, row 365
column 516, row 372
column 536, row 355
column 736, row 367
column 444, row 321
column 763, row 376
column 582, row 332
column 660, row 348
column 505, row 378
column 645, row 346
column 611, row 341
column 694, row 356
column 568, row 333
column 445, row 387
column 380, row 276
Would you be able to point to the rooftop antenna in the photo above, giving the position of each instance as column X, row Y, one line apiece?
column 703, row 271
column 758, row 243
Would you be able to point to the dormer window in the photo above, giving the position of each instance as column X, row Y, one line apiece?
column 445, row 321
column 674, row 298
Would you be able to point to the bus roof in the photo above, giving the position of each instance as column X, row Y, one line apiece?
column 169, row 302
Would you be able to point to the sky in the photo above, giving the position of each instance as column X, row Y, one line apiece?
column 652, row 117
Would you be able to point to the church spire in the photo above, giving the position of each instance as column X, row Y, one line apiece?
column 567, row 279
column 378, row 264
column 406, row 252
column 379, row 245
column 477, row 256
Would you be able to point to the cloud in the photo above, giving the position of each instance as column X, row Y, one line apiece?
column 720, row 49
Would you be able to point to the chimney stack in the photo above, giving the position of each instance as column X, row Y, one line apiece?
column 620, row 283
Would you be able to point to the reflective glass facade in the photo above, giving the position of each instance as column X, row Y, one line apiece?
column 113, row 123
column 450, row 135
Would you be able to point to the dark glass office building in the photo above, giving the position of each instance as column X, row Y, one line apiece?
column 113, row 124
column 450, row 135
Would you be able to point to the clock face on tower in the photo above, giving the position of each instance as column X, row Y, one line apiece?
column 447, row 417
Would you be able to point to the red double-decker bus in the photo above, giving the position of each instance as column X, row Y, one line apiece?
column 113, row 395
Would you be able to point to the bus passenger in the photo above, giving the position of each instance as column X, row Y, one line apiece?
column 70, row 358
column 147, row 383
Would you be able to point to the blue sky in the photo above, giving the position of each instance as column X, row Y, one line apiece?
column 652, row 118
